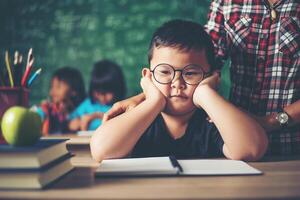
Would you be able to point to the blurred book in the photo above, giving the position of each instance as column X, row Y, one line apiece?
column 37, row 156
column 154, row 166
column 35, row 178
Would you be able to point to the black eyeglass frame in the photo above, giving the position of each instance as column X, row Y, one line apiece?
column 205, row 74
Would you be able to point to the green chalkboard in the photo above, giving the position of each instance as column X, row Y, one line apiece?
column 80, row 32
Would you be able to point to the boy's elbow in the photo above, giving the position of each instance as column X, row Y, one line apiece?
column 253, row 152
column 259, row 148
column 101, row 149
column 96, row 152
column 253, row 155
column 97, row 148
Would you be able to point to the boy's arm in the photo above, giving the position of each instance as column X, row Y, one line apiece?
column 117, row 137
column 244, row 138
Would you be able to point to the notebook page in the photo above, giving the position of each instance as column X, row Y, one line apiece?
column 137, row 166
column 216, row 167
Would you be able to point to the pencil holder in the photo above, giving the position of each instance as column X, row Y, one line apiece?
column 16, row 96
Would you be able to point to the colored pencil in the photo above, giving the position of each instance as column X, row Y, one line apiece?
column 18, row 68
column 33, row 77
column 30, row 60
column 9, row 70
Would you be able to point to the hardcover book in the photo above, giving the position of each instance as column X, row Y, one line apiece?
column 42, row 153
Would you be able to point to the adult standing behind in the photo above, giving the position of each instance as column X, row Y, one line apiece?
column 262, row 40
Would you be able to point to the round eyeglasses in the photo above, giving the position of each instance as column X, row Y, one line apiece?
column 191, row 74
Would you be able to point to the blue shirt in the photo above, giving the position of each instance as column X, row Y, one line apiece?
column 88, row 107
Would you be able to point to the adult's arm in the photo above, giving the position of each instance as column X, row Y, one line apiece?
column 123, row 106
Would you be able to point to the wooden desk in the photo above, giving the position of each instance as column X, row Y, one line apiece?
column 281, row 180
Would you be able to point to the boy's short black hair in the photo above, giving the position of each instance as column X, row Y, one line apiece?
column 107, row 76
column 183, row 35
column 72, row 77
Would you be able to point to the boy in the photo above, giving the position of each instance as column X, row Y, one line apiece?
column 179, row 90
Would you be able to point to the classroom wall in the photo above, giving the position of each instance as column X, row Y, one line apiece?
column 80, row 32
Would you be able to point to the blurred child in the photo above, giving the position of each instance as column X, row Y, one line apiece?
column 106, row 87
column 180, row 91
column 66, row 93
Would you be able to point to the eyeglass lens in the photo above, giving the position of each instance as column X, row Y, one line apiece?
column 165, row 73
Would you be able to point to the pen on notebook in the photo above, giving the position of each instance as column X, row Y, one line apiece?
column 175, row 163
column 34, row 76
column 9, row 69
column 30, row 60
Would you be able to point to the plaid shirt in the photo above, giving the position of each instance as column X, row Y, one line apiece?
column 265, row 58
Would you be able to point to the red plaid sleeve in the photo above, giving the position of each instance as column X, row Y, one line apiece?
column 215, row 27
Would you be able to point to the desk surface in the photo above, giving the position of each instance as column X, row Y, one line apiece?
column 73, row 139
column 281, row 180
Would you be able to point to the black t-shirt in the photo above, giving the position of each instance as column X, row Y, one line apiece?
column 201, row 140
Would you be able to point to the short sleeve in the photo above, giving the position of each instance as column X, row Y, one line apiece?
column 79, row 111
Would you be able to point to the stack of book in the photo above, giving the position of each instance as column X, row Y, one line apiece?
column 33, row 167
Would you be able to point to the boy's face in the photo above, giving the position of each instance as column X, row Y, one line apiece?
column 178, row 93
column 59, row 90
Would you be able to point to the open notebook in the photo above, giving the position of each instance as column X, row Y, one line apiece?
column 170, row 166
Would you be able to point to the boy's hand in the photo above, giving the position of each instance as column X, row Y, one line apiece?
column 150, row 90
column 212, row 82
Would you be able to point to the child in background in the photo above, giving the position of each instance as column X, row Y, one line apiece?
column 180, row 91
column 106, row 87
column 66, row 93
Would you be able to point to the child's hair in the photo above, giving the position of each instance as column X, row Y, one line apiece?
column 72, row 77
column 107, row 76
column 185, row 36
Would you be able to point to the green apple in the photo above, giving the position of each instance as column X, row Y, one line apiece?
column 21, row 126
